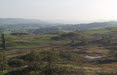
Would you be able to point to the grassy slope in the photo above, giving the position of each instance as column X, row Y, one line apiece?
column 21, row 45
column 102, row 31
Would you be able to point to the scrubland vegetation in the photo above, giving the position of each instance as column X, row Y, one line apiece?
column 62, row 53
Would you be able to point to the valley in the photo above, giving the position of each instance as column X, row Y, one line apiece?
column 73, row 47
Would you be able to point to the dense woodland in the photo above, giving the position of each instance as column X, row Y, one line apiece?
column 66, row 52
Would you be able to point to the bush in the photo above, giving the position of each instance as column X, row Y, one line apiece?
column 68, row 55
column 19, row 34
column 16, row 63
column 3, row 61
column 55, row 38
column 111, row 73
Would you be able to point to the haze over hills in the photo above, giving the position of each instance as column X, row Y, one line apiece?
column 21, row 21
column 12, row 25
column 58, row 37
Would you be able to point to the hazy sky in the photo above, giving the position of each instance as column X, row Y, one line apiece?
column 69, row 10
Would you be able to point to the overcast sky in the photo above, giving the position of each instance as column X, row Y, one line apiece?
column 67, row 10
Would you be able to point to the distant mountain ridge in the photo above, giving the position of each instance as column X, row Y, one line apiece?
column 95, row 25
column 13, row 25
column 20, row 21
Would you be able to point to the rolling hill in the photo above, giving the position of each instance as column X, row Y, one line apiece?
column 14, row 25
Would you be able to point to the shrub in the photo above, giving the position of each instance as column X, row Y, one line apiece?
column 16, row 63
column 110, row 73
column 55, row 38
column 3, row 61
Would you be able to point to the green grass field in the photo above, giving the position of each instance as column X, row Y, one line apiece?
column 72, row 56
